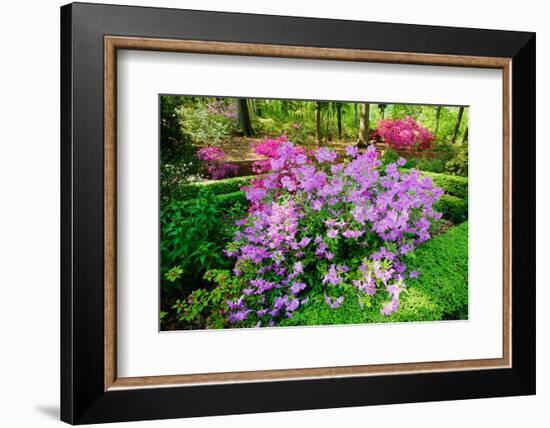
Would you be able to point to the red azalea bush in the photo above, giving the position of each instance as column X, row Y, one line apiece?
column 404, row 134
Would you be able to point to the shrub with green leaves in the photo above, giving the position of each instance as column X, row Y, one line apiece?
column 217, row 187
column 205, row 307
column 192, row 240
column 439, row 293
column 453, row 208
column 452, row 184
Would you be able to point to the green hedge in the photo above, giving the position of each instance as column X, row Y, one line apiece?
column 453, row 208
column 218, row 187
column 452, row 184
column 440, row 293
column 229, row 200
column 455, row 185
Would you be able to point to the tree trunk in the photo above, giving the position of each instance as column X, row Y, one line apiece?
column 258, row 108
column 339, row 120
column 457, row 124
column 318, row 121
column 328, row 134
column 382, row 108
column 244, row 117
column 355, row 116
column 364, row 124
column 465, row 136
column 284, row 108
column 437, row 118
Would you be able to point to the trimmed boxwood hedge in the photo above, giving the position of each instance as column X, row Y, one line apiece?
column 440, row 293
column 453, row 208
column 452, row 184
column 228, row 200
column 455, row 185
column 218, row 187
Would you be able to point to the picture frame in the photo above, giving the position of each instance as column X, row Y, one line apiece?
column 91, row 35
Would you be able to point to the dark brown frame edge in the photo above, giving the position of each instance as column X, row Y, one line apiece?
column 114, row 43
column 83, row 395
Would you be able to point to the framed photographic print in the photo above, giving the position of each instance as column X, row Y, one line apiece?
column 265, row 213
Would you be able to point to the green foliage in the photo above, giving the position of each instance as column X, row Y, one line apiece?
column 178, row 160
column 451, row 184
column 430, row 165
column 203, row 128
column 440, row 293
column 458, row 164
column 391, row 156
column 205, row 307
column 453, row 208
column 229, row 200
column 192, row 241
column 217, row 187
column 174, row 143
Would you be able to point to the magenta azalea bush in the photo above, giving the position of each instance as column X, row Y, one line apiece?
column 404, row 134
column 223, row 170
column 212, row 155
column 321, row 228
column 269, row 147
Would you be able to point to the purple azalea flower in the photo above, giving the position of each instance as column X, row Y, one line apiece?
column 297, row 287
column 332, row 277
column 352, row 151
column 390, row 307
column 334, row 304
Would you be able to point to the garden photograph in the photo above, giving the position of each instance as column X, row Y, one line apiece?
column 295, row 213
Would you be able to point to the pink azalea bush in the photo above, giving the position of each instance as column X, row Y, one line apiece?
column 404, row 134
column 212, row 155
column 323, row 229
column 222, row 170
column 269, row 148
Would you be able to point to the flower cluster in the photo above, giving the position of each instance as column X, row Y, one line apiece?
column 318, row 228
column 404, row 134
column 222, row 170
column 216, row 170
column 210, row 153
column 220, row 108
column 269, row 147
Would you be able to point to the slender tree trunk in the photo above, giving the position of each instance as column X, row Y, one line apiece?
column 258, row 108
column 328, row 134
column 457, row 124
column 437, row 118
column 318, row 121
column 339, row 120
column 465, row 136
column 244, row 117
column 364, row 124
column 284, row 108
column 382, row 108
column 355, row 116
